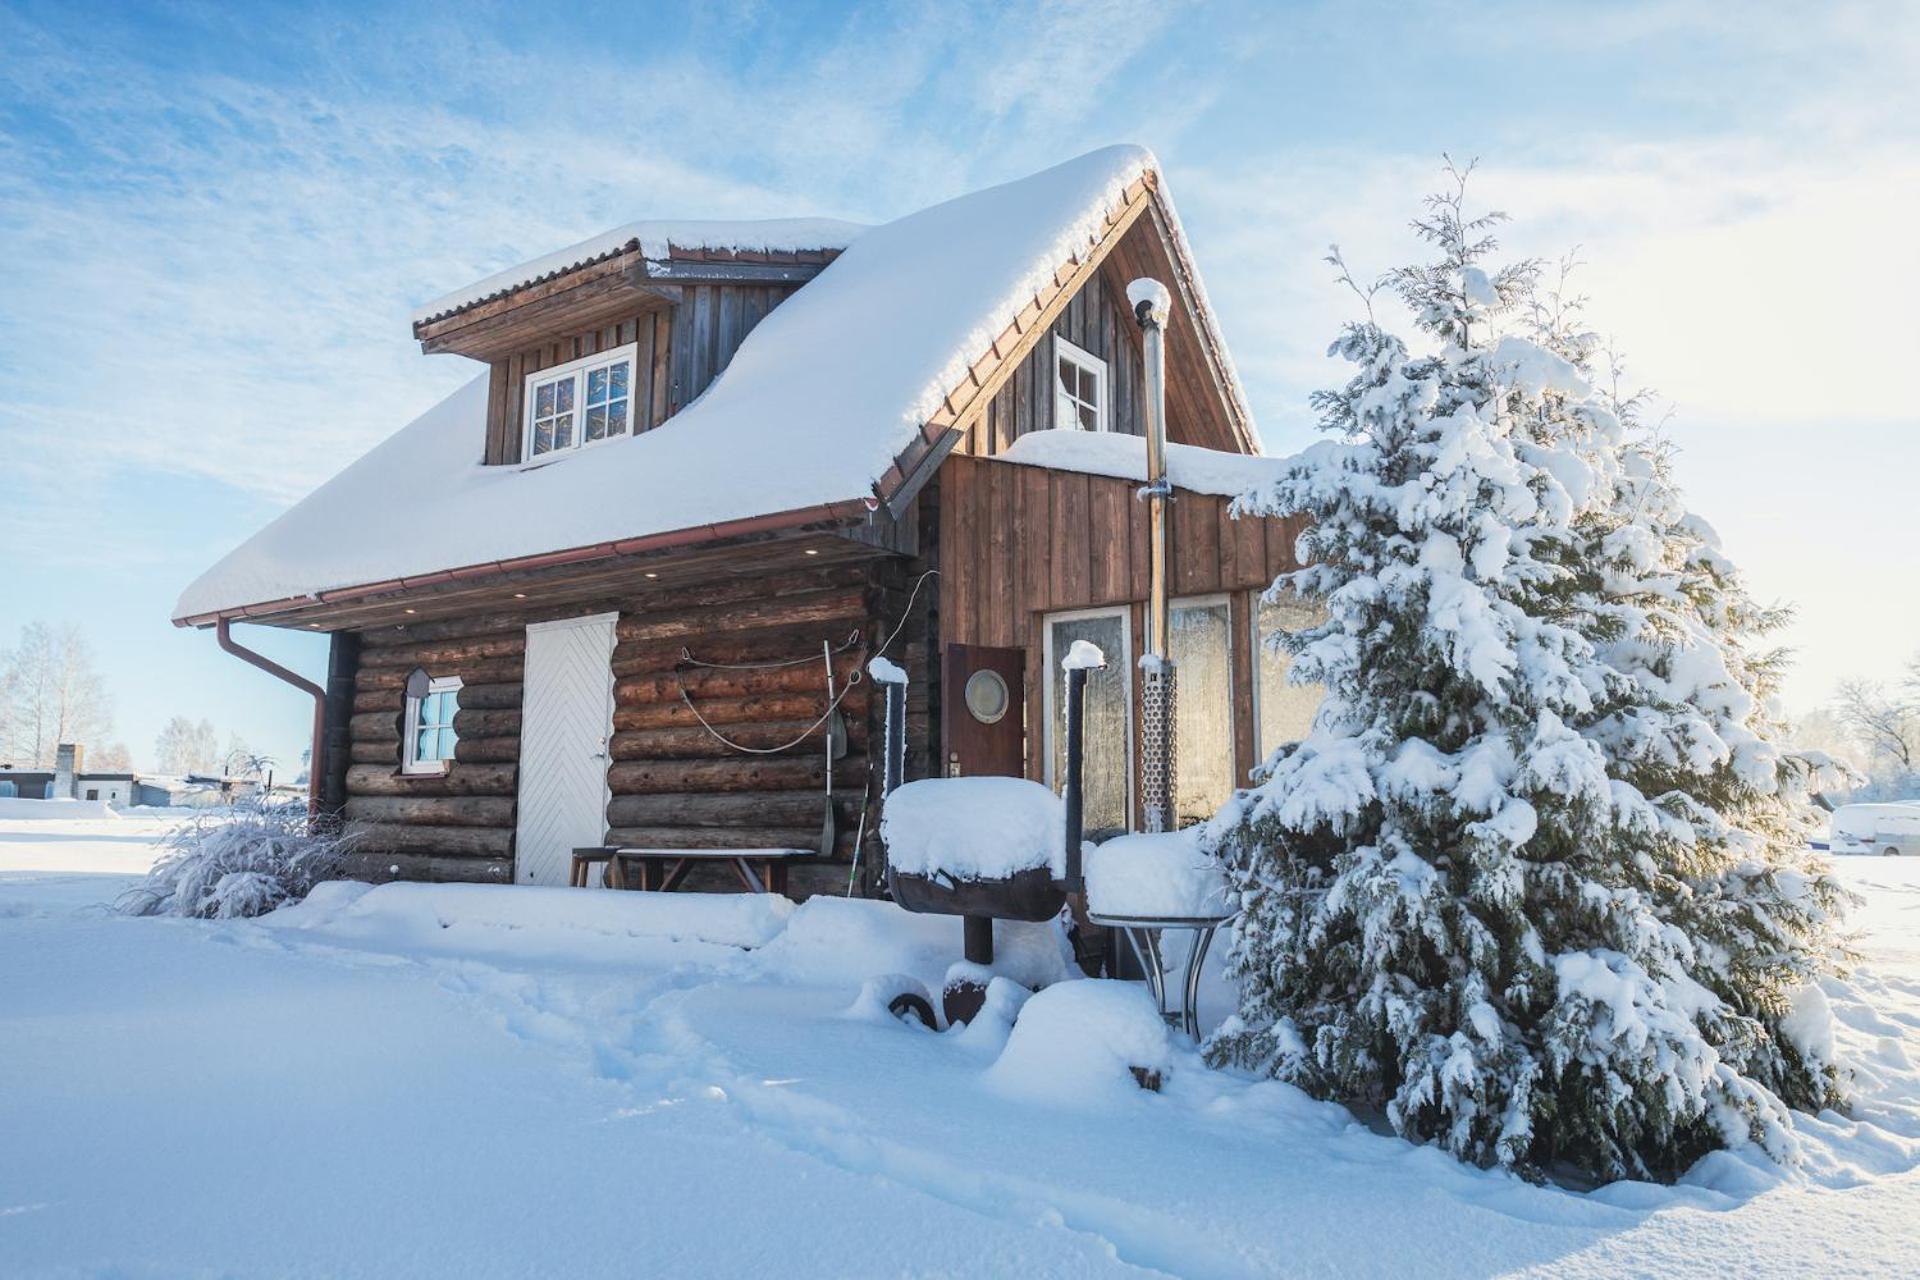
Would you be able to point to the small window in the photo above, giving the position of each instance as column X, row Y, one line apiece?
column 579, row 403
column 93, row 793
column 1080, row 388
column 432, row 703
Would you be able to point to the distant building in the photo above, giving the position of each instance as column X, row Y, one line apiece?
column 66, row 781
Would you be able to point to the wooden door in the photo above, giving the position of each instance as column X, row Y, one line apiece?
column 983, row 711
column 566, row 722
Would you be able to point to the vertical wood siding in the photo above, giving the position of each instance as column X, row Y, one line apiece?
column 1017, row 542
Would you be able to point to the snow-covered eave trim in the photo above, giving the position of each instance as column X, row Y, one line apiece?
column 631, row 242
column 849, row 511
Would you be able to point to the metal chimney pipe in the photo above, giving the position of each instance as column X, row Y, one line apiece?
column 1152, row 307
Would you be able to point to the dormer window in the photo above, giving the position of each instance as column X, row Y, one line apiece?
column 579, row 403
column 1080, row 388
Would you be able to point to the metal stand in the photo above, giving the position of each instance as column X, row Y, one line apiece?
column 1143, row 937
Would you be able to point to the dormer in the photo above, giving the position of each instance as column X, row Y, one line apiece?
column 609, row 338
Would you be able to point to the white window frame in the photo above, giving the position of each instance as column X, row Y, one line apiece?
column 409, row 741
column 1051, row 660
column 577, row 371
column 1090, row 363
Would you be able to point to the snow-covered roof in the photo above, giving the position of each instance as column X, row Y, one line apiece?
column 654, row 241
column 1124, row 457
column 815, row 407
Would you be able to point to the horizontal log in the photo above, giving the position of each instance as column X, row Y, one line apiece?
column 735, row 773
column 387, row 700
column 749, row 615
column 476, row 842
column 663, row 683
column 487, row 671
column 380, row 753
column 490, row 697
column 473, row 697
column 450, row 654
column 501, row 750
column 380, row 866
column 461, row 780
column 445, row 811
column 484, row 723
column 759, row 709
column 696, row 744
column 375, row 726
column 796, row 837
column 741, row 809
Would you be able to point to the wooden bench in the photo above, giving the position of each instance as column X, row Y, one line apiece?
column 663, row 870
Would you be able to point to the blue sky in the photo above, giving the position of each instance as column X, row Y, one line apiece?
column 214, row 221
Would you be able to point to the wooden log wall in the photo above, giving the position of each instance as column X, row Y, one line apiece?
column 682, row 349
column 1017, row 542
column 673, row 783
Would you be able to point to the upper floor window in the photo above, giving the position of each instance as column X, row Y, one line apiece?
column 578, row 403
column 432, row 702
column 1080, row 387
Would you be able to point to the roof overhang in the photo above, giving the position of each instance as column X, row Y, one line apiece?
column 619, row 284
column 815, row 533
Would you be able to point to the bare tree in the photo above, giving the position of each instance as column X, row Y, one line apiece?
column 185, row 747
column 111, row 758
column 53, row 693
column 1887, row 723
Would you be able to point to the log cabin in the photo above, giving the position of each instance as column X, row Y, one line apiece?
column 622, row 586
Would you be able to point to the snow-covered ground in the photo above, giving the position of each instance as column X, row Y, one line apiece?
column 421, row 1083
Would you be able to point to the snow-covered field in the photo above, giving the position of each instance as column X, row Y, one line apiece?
column 430, row 1083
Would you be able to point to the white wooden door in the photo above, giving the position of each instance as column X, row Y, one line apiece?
column 566, row 719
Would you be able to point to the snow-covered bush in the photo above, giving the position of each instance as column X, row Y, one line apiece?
column 243, row 862
column 1537, row 881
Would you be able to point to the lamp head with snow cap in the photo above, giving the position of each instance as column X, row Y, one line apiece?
column 1151, row 302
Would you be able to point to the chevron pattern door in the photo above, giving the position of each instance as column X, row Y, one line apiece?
column 566, row 720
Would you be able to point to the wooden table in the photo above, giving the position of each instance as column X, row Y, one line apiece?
column 663, row 870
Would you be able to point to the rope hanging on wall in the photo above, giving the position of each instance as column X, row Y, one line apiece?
column 857, row 676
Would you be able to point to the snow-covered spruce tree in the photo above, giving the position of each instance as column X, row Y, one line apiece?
column 1536, row 881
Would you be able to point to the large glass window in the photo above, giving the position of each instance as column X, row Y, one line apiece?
column 581, row 402
column 1200, row 641
column 432, row 703
column 1283, row 712
column 1107, row 772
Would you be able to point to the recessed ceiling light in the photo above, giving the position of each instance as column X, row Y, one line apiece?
column 409, row 611
column 653, row 575
column 519, row 595
column 812, row 552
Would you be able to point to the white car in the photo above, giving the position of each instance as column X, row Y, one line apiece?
column 1885, row 829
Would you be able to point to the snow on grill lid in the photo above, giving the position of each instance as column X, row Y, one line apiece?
column 974, row 828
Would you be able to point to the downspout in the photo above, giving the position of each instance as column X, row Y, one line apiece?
column 316, row 760
column 1152, row 306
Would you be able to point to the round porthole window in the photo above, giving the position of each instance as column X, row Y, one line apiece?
column 987, row 696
